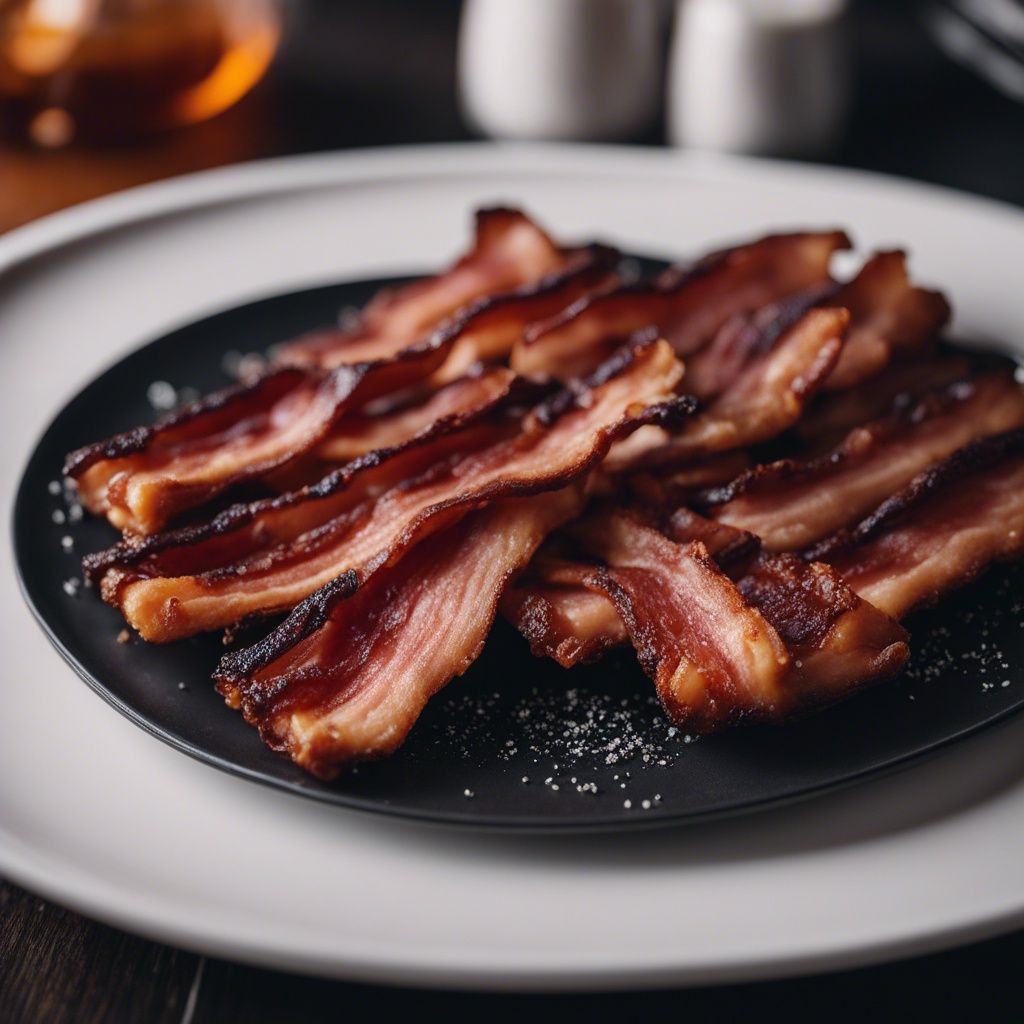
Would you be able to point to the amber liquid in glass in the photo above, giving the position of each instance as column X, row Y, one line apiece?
column 121, row 69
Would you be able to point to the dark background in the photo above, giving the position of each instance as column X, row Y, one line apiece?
column 382, row 72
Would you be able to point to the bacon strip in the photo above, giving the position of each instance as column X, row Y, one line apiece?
column 463, row 399
column 509, row 251
column 837, row 642
column 745, row 338
column 784, row 637
column 792, row 503
column 765, row 400
column 679, row 486
column 561, row 440
column 713, row 658
column 487, row 329
column 243, row 529
column 348, row 673
column 687, row 305
column 560, row 617
column 940, row 531
column 564, row 618
column 888, row 316
column 832, row 415
column 144, row 478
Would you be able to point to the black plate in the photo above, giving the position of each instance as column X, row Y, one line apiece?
column 517, row 742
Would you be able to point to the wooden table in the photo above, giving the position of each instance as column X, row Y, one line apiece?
column 914, row 114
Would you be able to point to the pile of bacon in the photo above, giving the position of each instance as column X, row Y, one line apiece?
column 746, row 469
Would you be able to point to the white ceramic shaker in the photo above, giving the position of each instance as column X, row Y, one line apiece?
column 562, row 69
column 757, row 76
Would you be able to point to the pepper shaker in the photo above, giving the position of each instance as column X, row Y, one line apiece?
column 757, row 76
column 562, row 69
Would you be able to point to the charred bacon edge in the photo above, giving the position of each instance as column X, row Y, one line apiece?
column 233, row 667
column 975, row 457
column 128, row 553
column 138, row 439
column 854, row 447
column 598, row 258
column 673, row 280
column 669, row 410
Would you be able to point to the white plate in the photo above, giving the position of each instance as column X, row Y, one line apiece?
column 98, row 815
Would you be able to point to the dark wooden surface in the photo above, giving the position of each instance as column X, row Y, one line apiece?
column 378, row 72
column 58, row 967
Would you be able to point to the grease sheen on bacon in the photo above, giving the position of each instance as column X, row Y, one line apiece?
column 889, row 316
column 144, row 478
column 248, row 527
column 765, row 636
column 762, row 402
column 350, row 671
column 950, row 523
column 792, row 503
column 687, row 304
column 509, row 251
column 561, row 440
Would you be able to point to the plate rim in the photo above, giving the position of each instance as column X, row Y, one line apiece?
column 212, row 187
column 268, row 176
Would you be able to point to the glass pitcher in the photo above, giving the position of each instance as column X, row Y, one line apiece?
column 116, row 69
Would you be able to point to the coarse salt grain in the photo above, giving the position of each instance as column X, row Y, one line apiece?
column 161, row 395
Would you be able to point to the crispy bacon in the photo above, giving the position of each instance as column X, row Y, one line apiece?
column 560, row 617
column 836, row 641
column 446, row 487
column 940, row 531
column 561, row 440
column 832, row 415
column 144, row 478
column 348, row 673
column 888, row 316
column 464, row 399
column 712, row 657
column 731, row 548
column 243, row 529
column 266, row 428
column 688, row 305
column 784, row 636
column 792, row 503
column 509, row 251
column 679, row 486
column 745, row 338
column 761, row 403
column 487, row 329
column 564, row 618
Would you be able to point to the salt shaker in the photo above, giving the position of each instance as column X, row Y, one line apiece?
column 757, row 76
column 562, row 69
